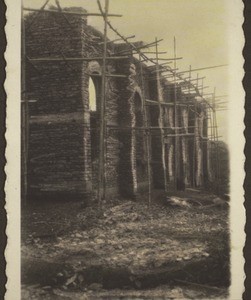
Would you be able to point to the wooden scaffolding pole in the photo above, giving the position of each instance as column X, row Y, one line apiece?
column 199, row 69
column 195, row 130
column 217, row 169
column 24, row 115
column 210, row 140
column 147, row 135
column 102, row 171
column 68, row 12
column 136, row 49
column 116, row 40
column 215, row 146
column 176, row 141
column 74, row 59
column 159, row 95
column 145, row 58
column 214, row 150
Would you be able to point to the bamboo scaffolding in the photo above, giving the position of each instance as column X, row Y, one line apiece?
column 36, row 15
column 215, row 138
column 61, row 10
column 29, row 101
column 195, row 79
column 214, row 150
column 194, row 140
column 123, row 38
column 120, row 35
column 108, row 75
column 142, row 58
column 163, row 64
column 209, row 136
column 69, row 12
column 138, row 49
column 199, row 69
column 75, row 59
column 176, row 140
column 102, row 137
column 116, row 40
column 162, row 70
column 159, row 95
column 134, row 48
column 145, row 128
column 25, row 116
column 153, row 52
column 179, row 134
column 169, row 104
column 148, row 137
column 167, row 59
column 200, row 87
column 149, row 190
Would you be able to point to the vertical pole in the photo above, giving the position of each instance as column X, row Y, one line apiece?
column 202, row 87
column 211, row 137
column 175, row 120
column 195, row 131
column 217, row 145
column 101, row 182
column 160, row 117
column 147, row 134
column 25, row 114
column 176, row 146
column 214, row 144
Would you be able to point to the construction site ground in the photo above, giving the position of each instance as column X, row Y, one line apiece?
column 126, row 249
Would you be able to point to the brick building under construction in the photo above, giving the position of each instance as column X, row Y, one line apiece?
column 150, row 132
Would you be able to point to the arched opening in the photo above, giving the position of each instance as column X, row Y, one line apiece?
column 92, row 96
column 93, row 109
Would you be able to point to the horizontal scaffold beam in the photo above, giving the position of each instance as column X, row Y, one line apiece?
column 152, row 102
column 134, row 48
column 153, row 52
column 163, row 70
column 114, row 127
column 108, row 75
column 116, row 40
column 199, row 69
column 68, row 12
column 173, row 58
column 73, row 59
column 179, row 134
column 29, row 101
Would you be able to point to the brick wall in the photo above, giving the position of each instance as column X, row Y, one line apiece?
column 62, row 136
column 64, row 133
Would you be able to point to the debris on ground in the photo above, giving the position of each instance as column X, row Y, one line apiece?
column 126, row 248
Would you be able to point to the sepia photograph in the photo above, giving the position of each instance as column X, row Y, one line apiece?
column 128, row 117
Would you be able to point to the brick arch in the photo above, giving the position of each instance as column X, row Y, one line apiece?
column 91, row 138
column 94, row 67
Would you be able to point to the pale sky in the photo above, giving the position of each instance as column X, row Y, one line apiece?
column 201, row 29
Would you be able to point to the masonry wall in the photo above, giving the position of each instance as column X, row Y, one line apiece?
column 56, row 155
column 132, row 162
column 64, row 133
column 61, row 149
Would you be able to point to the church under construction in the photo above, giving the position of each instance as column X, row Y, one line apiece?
column 102, row 119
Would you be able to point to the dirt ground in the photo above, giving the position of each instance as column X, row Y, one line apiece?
column 126, row 249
